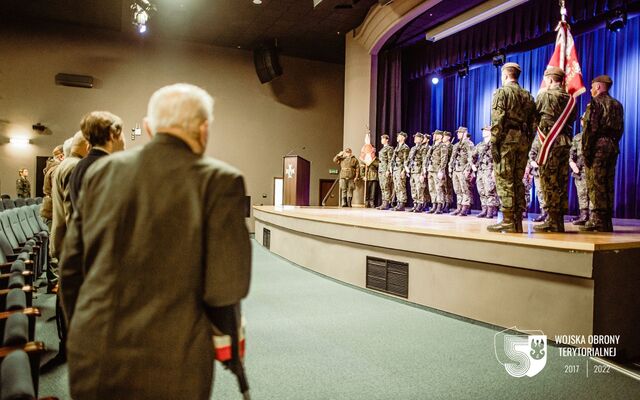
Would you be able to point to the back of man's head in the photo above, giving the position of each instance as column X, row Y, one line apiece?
column 66, row 147
column 79, row 145
column 180, row 107
column 99, row 127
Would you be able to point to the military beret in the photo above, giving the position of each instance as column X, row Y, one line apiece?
column 462, row 129
column 603, row 79
column 437, row 132
column 512, row 65
column 554, row 71
column 418, row 134
column 427, row 136
column 446, row 133
column 402, row 134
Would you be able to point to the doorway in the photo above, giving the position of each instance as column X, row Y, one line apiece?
column 325, row 186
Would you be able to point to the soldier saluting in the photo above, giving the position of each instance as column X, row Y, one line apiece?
column 603, row 128
column 349, row 170
column 513, row 114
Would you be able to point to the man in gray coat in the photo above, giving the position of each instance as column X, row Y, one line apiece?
column 157, row 245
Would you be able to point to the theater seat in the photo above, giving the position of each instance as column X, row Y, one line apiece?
column 20, row 202
column 15, row 300
column 38, row 200
column 30, row 201
column 8, row 204
column 16, row 330
column 35, row 209
column 17, row 381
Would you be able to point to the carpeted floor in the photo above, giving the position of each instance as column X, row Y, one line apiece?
column 309, row 337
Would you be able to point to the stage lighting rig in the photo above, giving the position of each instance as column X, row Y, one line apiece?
column 141, row 14
column 499, row 60
column 463, row 71
column 618, row 21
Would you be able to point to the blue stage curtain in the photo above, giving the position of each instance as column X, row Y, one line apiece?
column 466, row 101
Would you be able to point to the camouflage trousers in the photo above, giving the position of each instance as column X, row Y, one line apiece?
column 462, row 186
column 601, row 176
column 582, row 191
column 417, row 188
column 400, row 185
column 432, row 183
column 448, row 189
column 372, row 188
column 537, row 182
column 442, row 189
column 554, row 177
column 346, row 188
column 509, row 171
column 486, row 185
column 386, row 186
column 528, row 185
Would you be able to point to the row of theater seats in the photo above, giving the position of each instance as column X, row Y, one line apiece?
column 23, row 257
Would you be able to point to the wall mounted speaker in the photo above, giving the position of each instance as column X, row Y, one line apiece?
column 265, row 58
column 82, row 81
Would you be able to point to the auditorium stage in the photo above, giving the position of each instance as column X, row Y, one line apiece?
column 563, row 284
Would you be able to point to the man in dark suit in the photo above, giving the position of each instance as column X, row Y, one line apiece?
column 103, row 131
column 156, row 247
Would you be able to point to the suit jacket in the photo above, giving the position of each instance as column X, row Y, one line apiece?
column 80, row 170
column 158, row 239
column 61, row 203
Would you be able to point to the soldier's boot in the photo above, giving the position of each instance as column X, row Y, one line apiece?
column 457, row 210
column 417, row 208
column 439, row 209
column 555, row 223
column 399, row 206
column 483, row 213
column 412, row 209
column 492, row 212
column 608, row 222
column 445, row 207
column 582, row 218
column 465, row 211
column 508, row 224
column 344, row 202
column 348, row 201
column 542, row 217
column 434, row 207
column 384, row 205
column 596, row 223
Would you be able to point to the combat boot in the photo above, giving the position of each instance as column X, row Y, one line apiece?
column 348, row 201
column 413, row 209
column 583, row 218
column 418, row 208
column 445, row 208
column 399, row 206
column 439, row 209
column 492, row 212
column 456, row 211
column 464, row 211
column 384, row 205
column 507, row 225
column 555, row 223
column 344, row 202
column 596, row 223
column 434, row 207
column 542, row 217
column 483, row 213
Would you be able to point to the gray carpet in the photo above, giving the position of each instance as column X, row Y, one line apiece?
column 313, row 338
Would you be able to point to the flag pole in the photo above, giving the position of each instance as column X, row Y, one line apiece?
column 563, row 11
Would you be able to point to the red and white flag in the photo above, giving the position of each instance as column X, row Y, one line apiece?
column 565, row 57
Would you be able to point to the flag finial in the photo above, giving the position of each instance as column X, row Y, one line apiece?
column 563, row 10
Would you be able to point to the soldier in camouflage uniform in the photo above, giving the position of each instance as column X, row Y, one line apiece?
column 534, row 171
column 441, row 159
column 384, row 172
column 430, row 169
column 527, row 181
column 426, row 151
column 576, row 163
column 349, row 172
column 513, row 114
column 603, row 128
column 461, row 172
column 23, row 186
column 554, row 176
column 414, row 165
column 448, row 185
column 400, row 171
column 485, row 181
column 370, row 174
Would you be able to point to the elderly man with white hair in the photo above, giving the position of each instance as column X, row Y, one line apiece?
column 156, row 248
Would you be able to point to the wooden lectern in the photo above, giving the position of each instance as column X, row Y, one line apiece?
column 296, row 172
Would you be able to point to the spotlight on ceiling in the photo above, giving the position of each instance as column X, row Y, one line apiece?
column 499, row 60
column 435, row 80
column 257, row 1
column 463, row 71
column 141, row 13
column 618, row 21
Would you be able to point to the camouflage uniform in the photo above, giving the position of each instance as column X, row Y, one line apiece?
column 444, row 192
column 535, row 173
column 426, row 154
column 580, row 178
column 414, row 164
column 485, row 181
column 400, row 155
column 527, row 181
column 554, row 176
column 513, row 116
column 431, row 167
column 460, row 170
column 603, row 128
column 349, row 170
column 386, row 181
column 23, row 188
column 371, row 177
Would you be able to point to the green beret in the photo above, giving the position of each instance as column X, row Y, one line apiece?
column 462, row 129
column 446, row 133
column 554, row 71
column 437, row 132
column 512, row 65
column 402, row 134
column 418, row 134
column 606, row 79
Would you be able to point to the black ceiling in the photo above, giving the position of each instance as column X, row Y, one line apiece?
column 301, row 30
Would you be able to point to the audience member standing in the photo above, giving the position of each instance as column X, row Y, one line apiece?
column 103, row 131
column 23, row 186
column 46, row 210
column 157, row 244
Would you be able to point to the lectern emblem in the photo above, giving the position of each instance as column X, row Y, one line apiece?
column 290, row 171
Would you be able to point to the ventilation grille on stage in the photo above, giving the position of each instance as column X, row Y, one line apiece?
column 266, row 238
column 388, row 276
